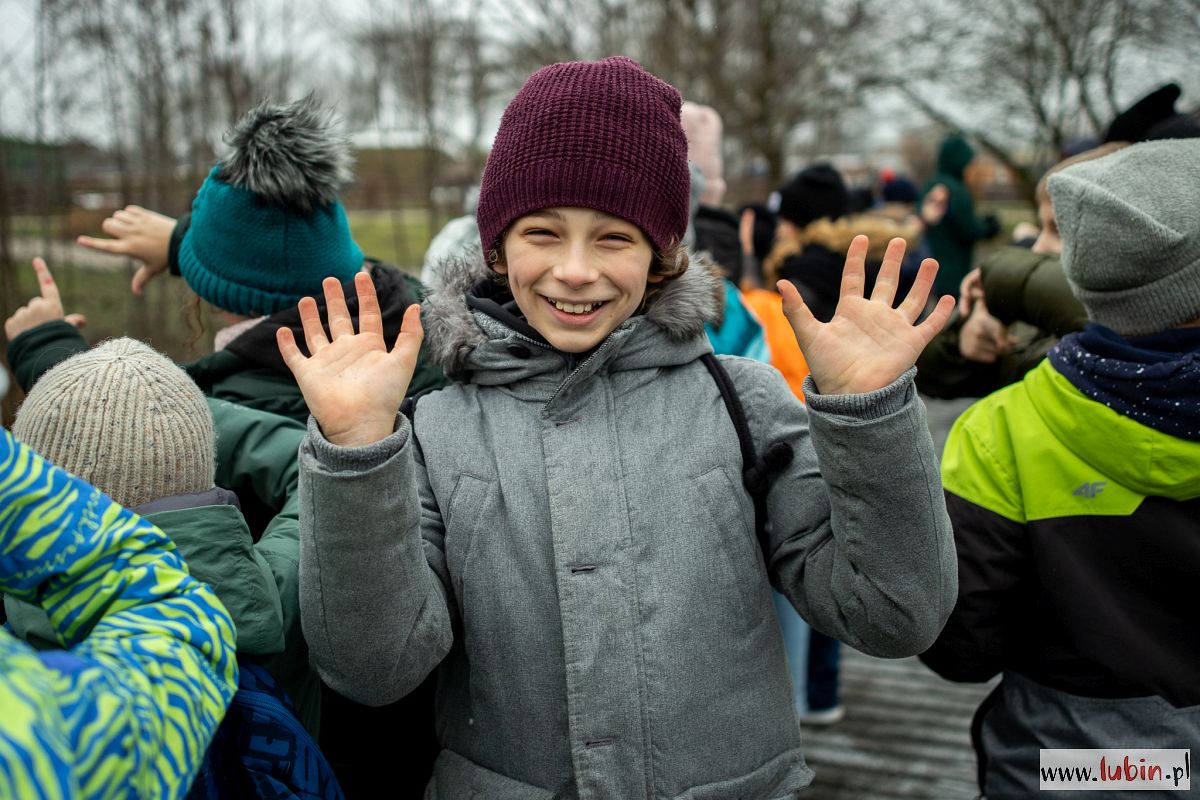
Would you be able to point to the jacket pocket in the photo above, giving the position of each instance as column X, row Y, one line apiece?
column 459, row 778
column 721, row 500
column 781, row 778
column 468, row 505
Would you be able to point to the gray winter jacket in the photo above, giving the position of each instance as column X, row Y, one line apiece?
column 573, row 545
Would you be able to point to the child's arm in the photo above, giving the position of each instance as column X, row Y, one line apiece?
column 375, row 614
column 130, row 709
column 860, row 539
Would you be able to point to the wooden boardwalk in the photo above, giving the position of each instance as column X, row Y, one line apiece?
column 906, row 735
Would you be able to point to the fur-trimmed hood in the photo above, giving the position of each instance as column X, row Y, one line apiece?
column 455, row 332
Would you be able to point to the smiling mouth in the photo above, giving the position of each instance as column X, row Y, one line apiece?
column 576, row 308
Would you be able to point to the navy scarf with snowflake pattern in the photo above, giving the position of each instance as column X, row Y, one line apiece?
column 1154, row 380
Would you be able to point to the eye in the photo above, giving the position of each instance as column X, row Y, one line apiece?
column 617, row 237
column 538, row 232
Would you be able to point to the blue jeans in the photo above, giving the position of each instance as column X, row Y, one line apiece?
column 795, row 644
column 824, row 657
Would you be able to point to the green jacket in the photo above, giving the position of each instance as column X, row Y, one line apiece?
column 1028, row 292
column 129, row 707
column 257, row 582
column 952, row 240
column 1020, row 284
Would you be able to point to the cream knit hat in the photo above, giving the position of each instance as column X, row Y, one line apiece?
column 124, row 418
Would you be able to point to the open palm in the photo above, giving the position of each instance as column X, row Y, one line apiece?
column 867, row 344
column 352, row 383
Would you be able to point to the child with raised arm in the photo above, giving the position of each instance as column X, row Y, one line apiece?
column 564, row 531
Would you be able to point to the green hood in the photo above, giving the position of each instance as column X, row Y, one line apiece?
column 954, row 156
column 1147, row 461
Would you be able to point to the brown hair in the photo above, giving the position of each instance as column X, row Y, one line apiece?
column 1042, row 192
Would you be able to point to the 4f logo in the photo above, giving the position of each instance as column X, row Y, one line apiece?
column 1090, row 490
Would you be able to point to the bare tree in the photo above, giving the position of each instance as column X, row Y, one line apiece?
column 1024, row 77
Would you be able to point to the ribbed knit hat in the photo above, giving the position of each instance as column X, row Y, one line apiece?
column 1131, row 235
column 267, row 226
column 125, row 419
column 603, row 135
column 814, row 193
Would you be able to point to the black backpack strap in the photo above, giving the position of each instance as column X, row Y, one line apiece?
column 409, row 406
column 757, row 472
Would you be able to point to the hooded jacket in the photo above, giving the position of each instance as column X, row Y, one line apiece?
column 952, row 240
column 1074, row 496
column 569, row 538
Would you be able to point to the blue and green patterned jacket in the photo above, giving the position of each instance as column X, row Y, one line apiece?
column 128, row 709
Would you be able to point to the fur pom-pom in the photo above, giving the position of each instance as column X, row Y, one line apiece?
column 289, row 155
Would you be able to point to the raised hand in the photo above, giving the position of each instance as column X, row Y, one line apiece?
column 352, row 383
column 867, row 344
column 45, row 308
column 140, row 234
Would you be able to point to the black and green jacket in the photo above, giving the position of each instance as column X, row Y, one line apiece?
column 1075, row 503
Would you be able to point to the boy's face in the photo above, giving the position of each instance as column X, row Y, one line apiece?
column 1047, row 241
column 576, row 273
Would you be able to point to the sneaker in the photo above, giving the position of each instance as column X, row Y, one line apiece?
column 824, row 716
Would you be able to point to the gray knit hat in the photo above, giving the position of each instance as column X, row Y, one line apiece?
column 1131, row 235
column 125, row 419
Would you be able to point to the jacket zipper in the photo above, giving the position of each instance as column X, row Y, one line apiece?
column 577, row 370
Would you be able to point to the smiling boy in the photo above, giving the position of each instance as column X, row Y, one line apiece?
column 563, row 532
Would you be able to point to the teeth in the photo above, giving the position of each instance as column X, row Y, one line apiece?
column 573, row 308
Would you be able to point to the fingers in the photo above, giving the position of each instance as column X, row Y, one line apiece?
column 796, row 310
column 888, row 279
column 918, row 295
column 854, row 273
column 310, row 320
column 288, row 349
column 115, row 246
column 78, row 320
column 340, row 323
column 140, row 278
column 746, row 231
column 46, row 282
column 412, row 332
column 370, row 318
column 933, row 324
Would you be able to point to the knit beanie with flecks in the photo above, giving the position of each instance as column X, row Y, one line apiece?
column 1131, row 235
column 603, row 135
column 125, row 419
column 267, row 226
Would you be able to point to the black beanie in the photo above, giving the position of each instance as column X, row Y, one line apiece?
column 815, row 192
column 1132, row 124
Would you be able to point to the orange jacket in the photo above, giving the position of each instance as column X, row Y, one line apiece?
column 785, row 352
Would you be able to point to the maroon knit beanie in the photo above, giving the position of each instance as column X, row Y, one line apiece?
column 601, row 134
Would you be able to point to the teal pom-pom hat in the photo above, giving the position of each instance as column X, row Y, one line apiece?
column 251, row 257
column 267, row 225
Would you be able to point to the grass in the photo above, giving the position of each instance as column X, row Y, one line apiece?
column 396, row 237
